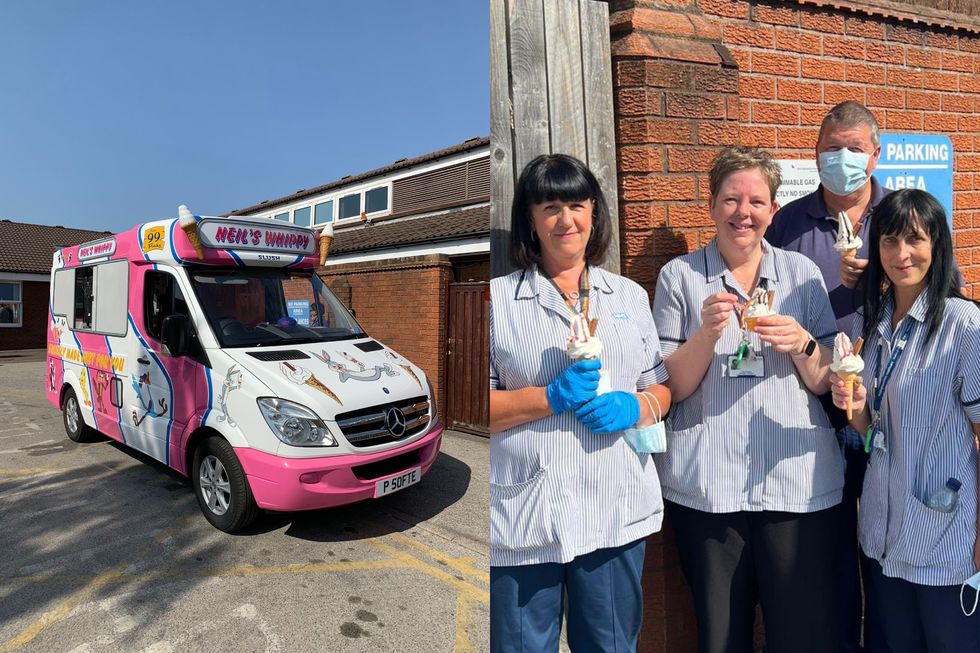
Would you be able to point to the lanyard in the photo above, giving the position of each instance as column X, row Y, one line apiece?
column 881, row 379
column 583, row 293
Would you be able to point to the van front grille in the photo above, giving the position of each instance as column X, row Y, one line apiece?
column 367, row 427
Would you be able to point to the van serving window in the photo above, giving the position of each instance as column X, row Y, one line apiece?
column 84, row 297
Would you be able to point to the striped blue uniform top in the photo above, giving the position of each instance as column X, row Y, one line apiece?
column 929, row 403
column 558, row 490
column 747, row 443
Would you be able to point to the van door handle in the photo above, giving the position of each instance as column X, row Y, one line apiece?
column 143, row 360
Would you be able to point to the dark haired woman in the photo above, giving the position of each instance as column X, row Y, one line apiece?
column 919, row 406
column 573, row 491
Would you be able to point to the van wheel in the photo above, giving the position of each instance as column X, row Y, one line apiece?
column 75, row 425
column 221, row 487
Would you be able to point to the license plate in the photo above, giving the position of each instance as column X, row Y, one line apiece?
column 395, row 483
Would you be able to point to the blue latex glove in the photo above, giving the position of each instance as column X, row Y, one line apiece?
column 613, row 411
column 574, row 387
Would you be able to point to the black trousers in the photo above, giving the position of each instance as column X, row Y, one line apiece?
column 918, row 618
column 783, row 561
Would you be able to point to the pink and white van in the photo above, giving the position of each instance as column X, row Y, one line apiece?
column 211, row 345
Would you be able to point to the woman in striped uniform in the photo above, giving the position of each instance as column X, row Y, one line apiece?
column 753, row 474
column 919, row 408
column 571, row 501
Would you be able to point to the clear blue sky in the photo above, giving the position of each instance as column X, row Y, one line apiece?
column 114, row 112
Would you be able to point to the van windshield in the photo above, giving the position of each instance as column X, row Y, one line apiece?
column 255, row 307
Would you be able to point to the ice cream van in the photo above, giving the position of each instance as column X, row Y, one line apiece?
column 211, row 345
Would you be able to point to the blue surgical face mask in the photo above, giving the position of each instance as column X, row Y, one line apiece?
column 974, row 582
column 843, row 172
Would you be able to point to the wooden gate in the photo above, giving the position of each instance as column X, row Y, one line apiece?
column 468, row 358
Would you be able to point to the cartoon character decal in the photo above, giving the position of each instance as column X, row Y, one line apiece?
column 148, row 408
column 101, row 384
column 51, row 375
column 83, row 379
column 402, row 363
column 362, row 373
column 302, row 376
column 233, row 381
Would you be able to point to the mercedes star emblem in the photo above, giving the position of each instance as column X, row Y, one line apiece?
column 395, row 422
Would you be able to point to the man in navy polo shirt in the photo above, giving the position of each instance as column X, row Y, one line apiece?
column 847, row 152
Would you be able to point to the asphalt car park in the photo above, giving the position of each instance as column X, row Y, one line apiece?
column 104, row 549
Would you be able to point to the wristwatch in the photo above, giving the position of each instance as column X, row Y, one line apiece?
column 808, row 349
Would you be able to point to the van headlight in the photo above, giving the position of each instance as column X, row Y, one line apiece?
column 294, row 424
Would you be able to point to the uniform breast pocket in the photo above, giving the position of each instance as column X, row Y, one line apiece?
column 926, row 396
column 624, row 356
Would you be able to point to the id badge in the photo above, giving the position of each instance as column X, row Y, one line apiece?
column 753, row 366
column 879, row 441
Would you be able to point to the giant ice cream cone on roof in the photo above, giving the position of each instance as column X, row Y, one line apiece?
column 188, row 223
column 847, row 364
column 326, row 237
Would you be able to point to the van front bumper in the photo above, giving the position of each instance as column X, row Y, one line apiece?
column 289, row 484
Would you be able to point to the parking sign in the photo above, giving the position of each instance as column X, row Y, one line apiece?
column 923, row 161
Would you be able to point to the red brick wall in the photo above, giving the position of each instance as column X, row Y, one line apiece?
column 31, row 335
column 692, row 76
column 402, row 303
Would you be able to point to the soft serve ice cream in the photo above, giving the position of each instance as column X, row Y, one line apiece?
column 760, row 305
column 847, row 364
column 847, row 244
column 583, row 344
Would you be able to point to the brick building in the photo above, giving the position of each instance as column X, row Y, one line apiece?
column 411, row 257
column 25, row 276
column 692, row 76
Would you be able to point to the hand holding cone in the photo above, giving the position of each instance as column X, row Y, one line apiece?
column 847, row 365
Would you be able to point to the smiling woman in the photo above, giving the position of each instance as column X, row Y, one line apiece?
column 752, row 461
column 573, row 488
column 919, row 408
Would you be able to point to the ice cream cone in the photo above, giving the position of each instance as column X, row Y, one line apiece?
column 750, row 323
column 850, row 253
column 848, row 380
column 326, row 237
column 188, row 223
column 412, row 374
column 191, row 232
column 315, row 383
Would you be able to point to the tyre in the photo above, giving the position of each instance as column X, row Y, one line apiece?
column 221, row 487
column 75, row 425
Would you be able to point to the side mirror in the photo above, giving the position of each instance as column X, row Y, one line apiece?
column 175, row 335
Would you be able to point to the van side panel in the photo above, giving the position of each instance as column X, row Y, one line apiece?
column 171, row 395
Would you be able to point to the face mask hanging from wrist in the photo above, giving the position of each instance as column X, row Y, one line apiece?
column 650, row 439
column 843, row 172
column 974, row 582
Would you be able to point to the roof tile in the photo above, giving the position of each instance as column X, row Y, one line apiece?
column 29, row 247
